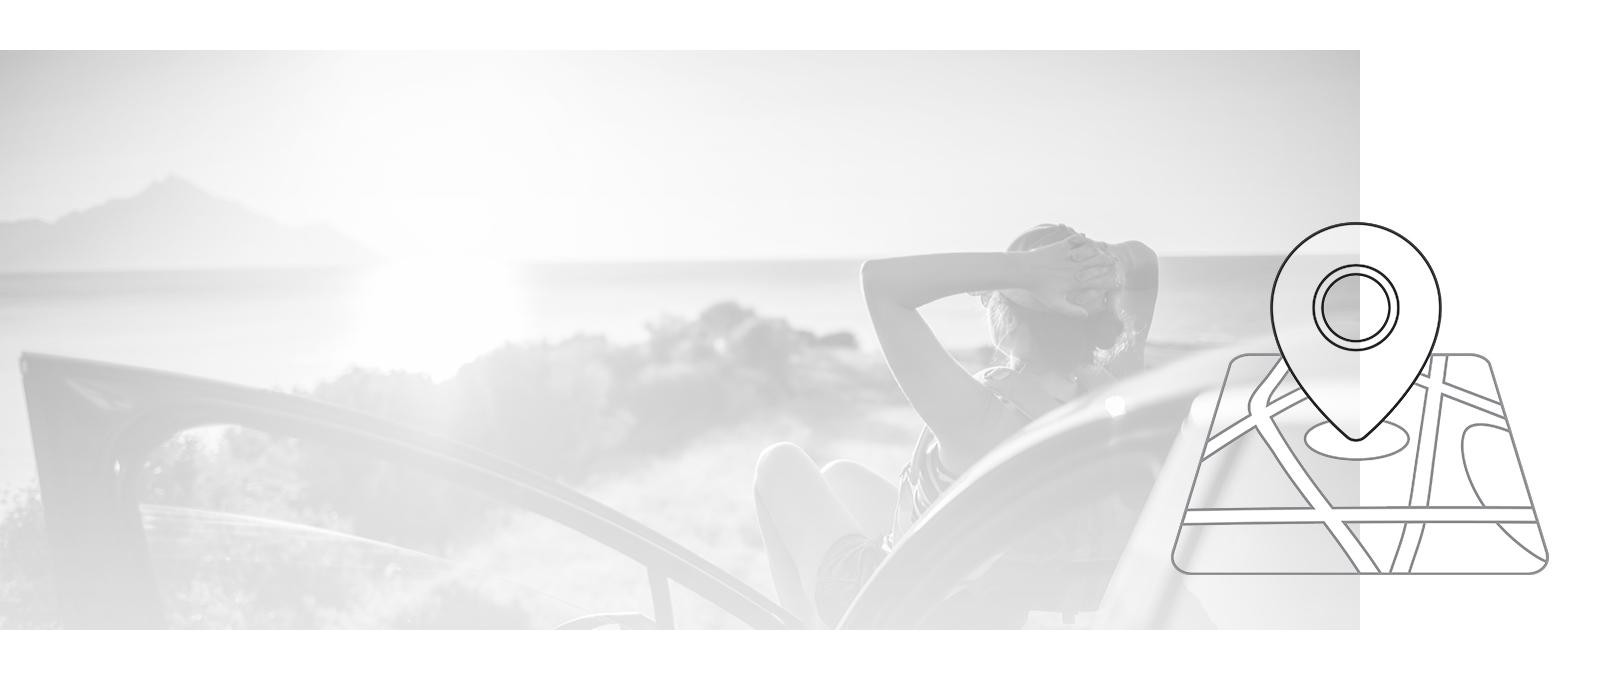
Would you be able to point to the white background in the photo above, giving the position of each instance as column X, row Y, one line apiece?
column 1478, row 142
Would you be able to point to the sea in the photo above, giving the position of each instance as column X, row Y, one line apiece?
column 290, row 328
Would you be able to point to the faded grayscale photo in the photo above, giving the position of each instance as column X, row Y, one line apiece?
column 657, row 340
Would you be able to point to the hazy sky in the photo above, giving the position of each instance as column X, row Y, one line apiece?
column 703, row 155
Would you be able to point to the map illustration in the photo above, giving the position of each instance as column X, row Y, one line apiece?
column 1436, row 489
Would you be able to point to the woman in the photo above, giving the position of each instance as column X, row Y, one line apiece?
column 1066, row 314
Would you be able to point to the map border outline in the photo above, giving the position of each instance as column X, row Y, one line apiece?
column 1353, row 571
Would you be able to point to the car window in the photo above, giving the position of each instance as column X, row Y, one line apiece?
column 1045, row 571
column 1031, row 543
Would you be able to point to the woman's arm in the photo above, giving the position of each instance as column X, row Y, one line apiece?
column 956, row 406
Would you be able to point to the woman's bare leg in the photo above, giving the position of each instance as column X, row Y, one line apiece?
column 868, row 497
column 785, row 574
column 800, row 520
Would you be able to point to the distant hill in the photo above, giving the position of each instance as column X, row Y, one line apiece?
column 171, row 225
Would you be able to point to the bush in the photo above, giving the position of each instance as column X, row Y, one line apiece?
column 570, row 407
column 26, row 597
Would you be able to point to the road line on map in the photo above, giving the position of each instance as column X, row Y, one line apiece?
column 1352, row 547
column 1463, row 396
column 1246, row 424
column 1405, row 554
column 1359, row 515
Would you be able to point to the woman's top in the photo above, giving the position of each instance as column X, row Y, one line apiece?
column 925, row 477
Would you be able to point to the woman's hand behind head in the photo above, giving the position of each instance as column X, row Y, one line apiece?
column 1071, row 277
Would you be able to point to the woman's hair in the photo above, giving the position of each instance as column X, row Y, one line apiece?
column 1071, row 342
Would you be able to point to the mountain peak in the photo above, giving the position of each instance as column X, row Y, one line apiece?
column 176, row 194
column 172, row 224
column 172, row 184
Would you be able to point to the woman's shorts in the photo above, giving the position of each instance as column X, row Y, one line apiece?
column 845, row 568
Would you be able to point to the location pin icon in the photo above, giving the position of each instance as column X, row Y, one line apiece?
column 1356, row 376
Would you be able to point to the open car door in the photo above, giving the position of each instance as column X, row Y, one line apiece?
column 153, row 521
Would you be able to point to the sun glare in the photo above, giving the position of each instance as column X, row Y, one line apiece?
column 433, row 317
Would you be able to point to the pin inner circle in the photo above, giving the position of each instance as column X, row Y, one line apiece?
column 1319, row 307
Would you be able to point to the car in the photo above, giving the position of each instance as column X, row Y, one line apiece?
column 1068, row 523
